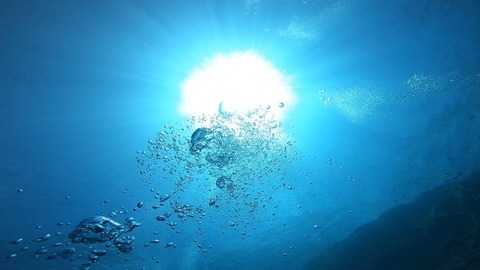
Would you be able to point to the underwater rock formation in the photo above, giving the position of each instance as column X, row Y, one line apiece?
column 438, row 230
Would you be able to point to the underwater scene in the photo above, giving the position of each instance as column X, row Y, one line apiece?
column 240, row 134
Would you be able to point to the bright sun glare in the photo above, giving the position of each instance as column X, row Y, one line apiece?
column 236, row 83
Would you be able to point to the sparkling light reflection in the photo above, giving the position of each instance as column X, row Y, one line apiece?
column 236, row 83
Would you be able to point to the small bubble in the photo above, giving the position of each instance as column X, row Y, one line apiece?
column 46, row 237
column 20, row 190
column 67, row 197
column 281, row 104
column 11, row 256
column 17, row 241
column 41, row 251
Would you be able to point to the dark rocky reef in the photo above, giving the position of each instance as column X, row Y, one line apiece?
column 438, row 230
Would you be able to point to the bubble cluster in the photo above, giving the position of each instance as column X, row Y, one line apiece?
column 434, row 86
column 359, row 104
column 100, row 229
column 424, row 84
column 230, row 159
column 356, row 104
column 222, row 169
column 309, row 28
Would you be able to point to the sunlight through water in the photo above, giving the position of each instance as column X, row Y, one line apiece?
column 236, row 83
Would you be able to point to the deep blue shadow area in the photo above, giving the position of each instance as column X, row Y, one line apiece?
column 438, row 230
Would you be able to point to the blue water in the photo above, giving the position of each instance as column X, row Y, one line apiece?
column 387, row 108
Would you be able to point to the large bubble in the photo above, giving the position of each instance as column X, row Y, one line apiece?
column 97, row 229
column 200, row 139
column 100, row 229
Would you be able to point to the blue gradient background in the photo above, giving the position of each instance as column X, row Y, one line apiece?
column 84, row 84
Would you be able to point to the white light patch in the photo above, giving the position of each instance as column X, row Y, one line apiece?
column 236, row 83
